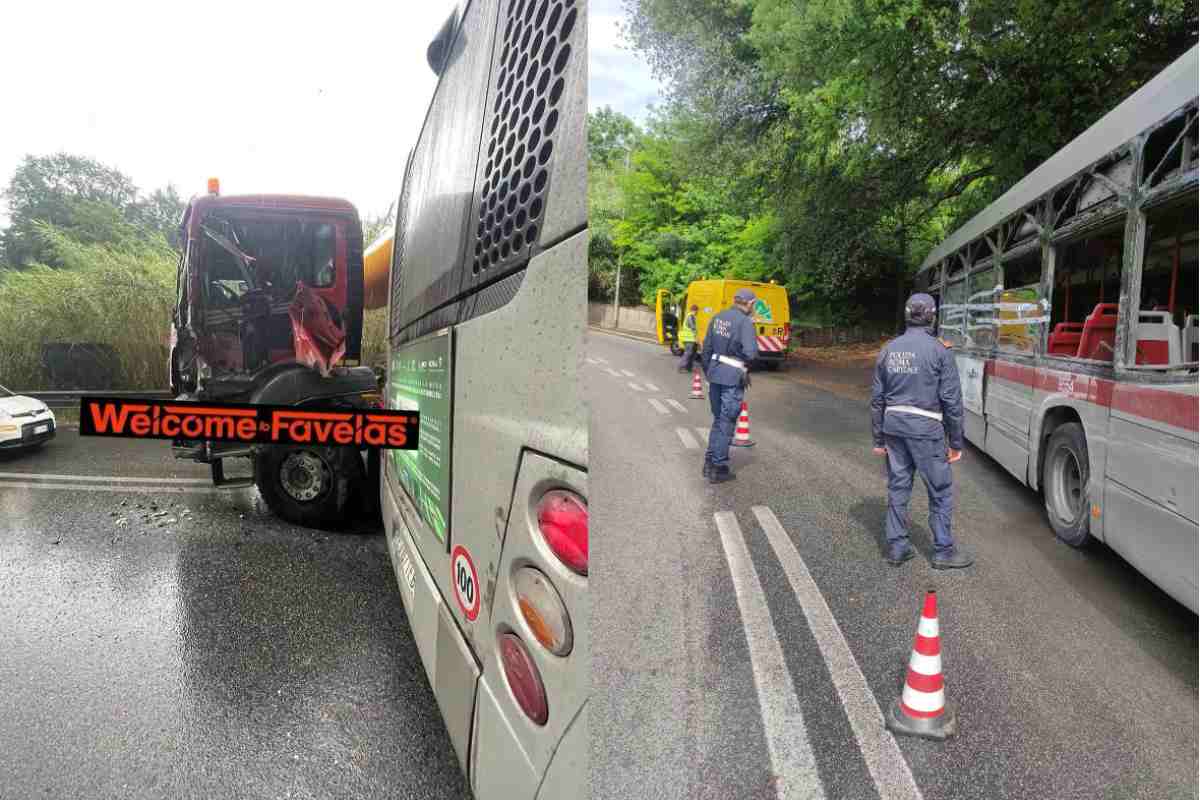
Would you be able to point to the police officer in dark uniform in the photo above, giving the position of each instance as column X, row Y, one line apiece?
column 729, row 348
column 916, row 404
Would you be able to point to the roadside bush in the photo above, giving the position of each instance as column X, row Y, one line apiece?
column 117, row 295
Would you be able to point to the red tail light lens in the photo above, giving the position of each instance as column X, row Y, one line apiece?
column 563, row 520
column 523, row 678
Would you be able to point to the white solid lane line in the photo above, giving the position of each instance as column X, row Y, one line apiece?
column 686, row 437
column 792, row 758
column 651, row 387
column 37, row 476
column 884, row 760
column 680, row 407
column 628, row 374
column 119, row 488
column 659, row 407
column 635, row 387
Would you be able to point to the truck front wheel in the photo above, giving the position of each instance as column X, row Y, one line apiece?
column 307, row 485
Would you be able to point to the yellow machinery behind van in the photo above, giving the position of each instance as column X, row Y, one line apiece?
column 771, row 313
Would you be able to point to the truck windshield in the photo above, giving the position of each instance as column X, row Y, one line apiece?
column 271, row 255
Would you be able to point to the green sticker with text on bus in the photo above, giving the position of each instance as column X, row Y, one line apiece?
column 419, row 380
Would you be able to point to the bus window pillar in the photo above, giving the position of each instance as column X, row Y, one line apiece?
column 1131, row 288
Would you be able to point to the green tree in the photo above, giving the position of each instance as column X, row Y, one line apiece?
column 610, row 135
column 872, row 129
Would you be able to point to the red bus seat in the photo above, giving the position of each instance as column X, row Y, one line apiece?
column 1064, row 339
column 1099, row 331
column 1157, row 339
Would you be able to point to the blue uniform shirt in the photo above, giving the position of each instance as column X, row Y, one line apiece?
column 917, row 370
column 730, row 333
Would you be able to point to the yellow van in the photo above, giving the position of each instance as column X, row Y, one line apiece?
column 771, row 313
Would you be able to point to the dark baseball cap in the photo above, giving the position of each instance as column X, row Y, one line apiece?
column 920, row 307
column 744, row 296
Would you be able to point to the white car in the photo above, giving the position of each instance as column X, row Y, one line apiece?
column 24, row 422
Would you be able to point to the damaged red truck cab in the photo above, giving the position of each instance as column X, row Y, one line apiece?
column 268, row 310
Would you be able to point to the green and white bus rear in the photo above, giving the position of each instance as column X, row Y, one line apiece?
column 487, row 522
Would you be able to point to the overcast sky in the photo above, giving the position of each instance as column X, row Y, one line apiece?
column 616, row 76
column 269, row 97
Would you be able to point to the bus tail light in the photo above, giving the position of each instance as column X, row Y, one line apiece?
column 563, row 520
column 543, row 611
column 523, row 678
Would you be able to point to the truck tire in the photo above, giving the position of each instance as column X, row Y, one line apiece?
column 772, row 365
column 1064, row 485
column 308, row 485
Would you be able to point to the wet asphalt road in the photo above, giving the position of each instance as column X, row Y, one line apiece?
column 1073, row 676
column 208, row 651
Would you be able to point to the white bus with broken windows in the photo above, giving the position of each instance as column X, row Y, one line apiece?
column 1071, row 302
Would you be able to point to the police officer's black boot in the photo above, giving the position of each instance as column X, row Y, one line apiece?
column 899, row 552
column 707, row 471
column 720, row 474
column 952, row 559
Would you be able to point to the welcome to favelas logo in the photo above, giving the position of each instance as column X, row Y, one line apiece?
column 247, row 424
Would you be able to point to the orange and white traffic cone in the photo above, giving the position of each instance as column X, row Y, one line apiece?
column 741, row 434
column 922, row 709
column 697, row 386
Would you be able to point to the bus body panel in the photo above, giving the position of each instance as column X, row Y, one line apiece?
column 1008, row 406
column 449, row 665
column 571, row 760
column 1161, row 544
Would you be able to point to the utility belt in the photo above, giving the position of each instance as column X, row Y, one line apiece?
column 914, row 410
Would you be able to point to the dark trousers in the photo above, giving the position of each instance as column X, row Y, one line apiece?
column 689, row 357
column 927, row 456
column 726, row 405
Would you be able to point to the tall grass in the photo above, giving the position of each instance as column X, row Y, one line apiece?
column 118, row 295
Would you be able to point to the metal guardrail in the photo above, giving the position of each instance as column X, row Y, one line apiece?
column 69, row 398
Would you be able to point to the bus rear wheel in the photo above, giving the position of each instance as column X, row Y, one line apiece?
column 1064, row 485
column 307, row 485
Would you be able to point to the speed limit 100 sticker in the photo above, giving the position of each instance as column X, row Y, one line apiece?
column 466, row 582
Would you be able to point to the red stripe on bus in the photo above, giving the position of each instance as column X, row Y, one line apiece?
column 925, row 683
column 1172, row 408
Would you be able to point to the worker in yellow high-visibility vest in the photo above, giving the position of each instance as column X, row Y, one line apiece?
column 687, row 338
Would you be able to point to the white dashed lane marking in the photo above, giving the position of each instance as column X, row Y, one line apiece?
column 686, row 437
column 635, row 387
column 651, row 387
column 659, row 407
column 678, row 406
column 629, row 374
column 613, row 372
